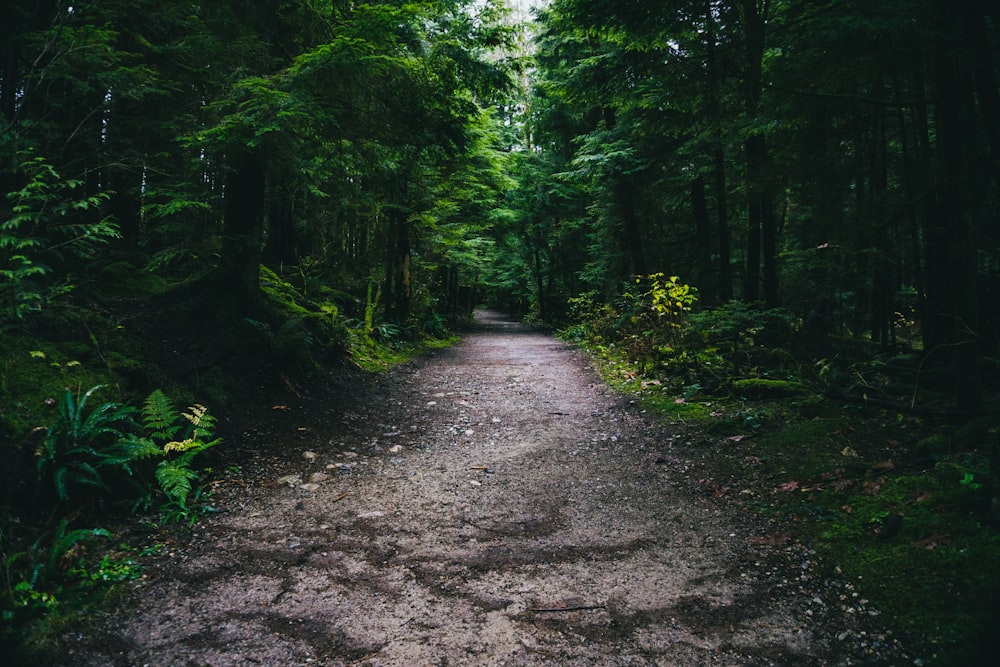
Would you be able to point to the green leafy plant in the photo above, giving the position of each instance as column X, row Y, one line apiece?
column 184, row 435
column 40, row 569
column 42, row 223
column 84, row 442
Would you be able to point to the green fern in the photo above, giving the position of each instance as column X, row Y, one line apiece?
column 203, row 424
column 160, row 417
column 130, row 449
column 185, row 436
column 176, row 478
column 81, row 442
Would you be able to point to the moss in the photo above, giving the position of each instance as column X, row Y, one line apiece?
column 300, row 324
column 375, row 356
column 767, row 388
column 125, row 280
column 933, row 445
column 34, row 370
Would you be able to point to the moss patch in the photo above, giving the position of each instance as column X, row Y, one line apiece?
column 767, row 388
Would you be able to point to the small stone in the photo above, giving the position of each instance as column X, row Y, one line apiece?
column 395, row 449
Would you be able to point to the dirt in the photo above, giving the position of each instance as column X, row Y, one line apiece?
column 490, row 504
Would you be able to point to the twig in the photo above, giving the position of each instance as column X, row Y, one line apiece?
column 340, row 497
column 558, row 609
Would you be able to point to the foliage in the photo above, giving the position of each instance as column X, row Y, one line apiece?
column 742, row 334
column 84, row 442
column 646, row 322
column 179, row 437
column 33, row 578
column 44, row 220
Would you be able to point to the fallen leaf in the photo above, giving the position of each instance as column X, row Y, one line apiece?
column 280, row 407
column 309, row 487
column 932, row 542
column 679, row 401
column 883, row 465
column 789, row 486
column 736, row 438
column 873, row 487
column 841, row 484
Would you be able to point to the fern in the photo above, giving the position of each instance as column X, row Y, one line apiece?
column 160, row 417
column 130, row 449
column 186, row 434
column 202, row 422
column 175, row 478
column 80, row 443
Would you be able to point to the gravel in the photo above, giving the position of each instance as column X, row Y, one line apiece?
column 491, row 504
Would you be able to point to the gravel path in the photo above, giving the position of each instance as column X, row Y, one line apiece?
column 495, row 505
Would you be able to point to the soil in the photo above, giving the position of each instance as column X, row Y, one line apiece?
column 489, row 504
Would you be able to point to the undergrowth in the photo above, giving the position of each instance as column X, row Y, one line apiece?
column 894, row 501
column 91, row 432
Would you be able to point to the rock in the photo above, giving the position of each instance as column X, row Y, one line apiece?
column 290, row 480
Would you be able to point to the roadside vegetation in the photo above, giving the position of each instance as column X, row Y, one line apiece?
column 111, row 441
column 855, row 456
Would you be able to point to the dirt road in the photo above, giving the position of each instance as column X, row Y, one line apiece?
column 493, row 505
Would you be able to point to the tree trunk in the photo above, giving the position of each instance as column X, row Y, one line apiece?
column 756, row 203
column 724, row 289
column 959, row 163
column 703, row 252
column 761, row 222
column 280, row 247
column 631, row 228
column 399, row 292
column 243, row 227
column 722, row 221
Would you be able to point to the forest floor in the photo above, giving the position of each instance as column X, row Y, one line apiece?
column 493, row 503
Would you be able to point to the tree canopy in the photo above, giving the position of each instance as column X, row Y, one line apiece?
column 834, row 159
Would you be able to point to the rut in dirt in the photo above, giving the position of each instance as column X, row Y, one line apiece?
column 496, row 504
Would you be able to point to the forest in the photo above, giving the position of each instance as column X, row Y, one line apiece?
column 201, row 203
